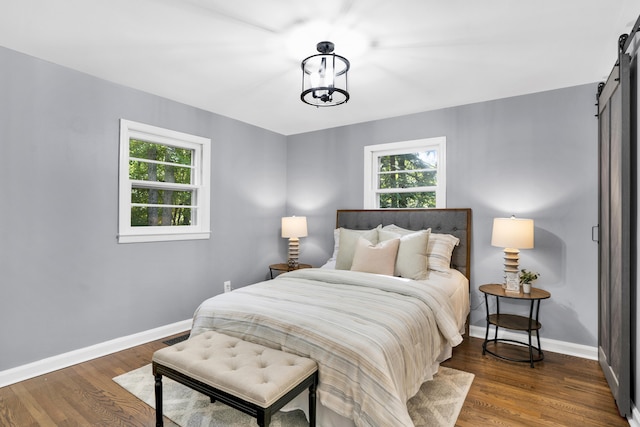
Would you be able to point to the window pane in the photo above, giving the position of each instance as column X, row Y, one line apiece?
column 161, row 197
column 157, row 216
column 407, row 179
column 407, row 200
column 157, row 172
column 162, row 153
column 411, row 161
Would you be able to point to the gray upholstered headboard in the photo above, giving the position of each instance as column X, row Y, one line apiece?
column 446, row 221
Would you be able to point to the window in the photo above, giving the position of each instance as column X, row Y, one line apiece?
column 164, row 184
column 409, row 174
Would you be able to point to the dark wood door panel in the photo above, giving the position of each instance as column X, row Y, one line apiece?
column 615, row 206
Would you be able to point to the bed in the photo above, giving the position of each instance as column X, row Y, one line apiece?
column 378, row 329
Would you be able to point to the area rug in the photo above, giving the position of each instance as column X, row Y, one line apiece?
column 437, row 404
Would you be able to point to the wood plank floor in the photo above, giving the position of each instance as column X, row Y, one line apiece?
column 560, row 391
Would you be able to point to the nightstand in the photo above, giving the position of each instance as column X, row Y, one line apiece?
column 514, row 322
column 284, row 267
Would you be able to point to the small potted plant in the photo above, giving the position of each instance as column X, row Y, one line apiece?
column 526, row 278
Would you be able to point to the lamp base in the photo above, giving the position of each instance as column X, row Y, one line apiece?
column 294, row 251
column 511, row 270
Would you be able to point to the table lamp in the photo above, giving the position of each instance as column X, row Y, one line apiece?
column 294, row 227
column 512, row 234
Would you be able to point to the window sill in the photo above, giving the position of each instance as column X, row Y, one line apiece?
column 147, row 238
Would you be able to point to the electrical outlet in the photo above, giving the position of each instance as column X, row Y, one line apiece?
column 227, row 286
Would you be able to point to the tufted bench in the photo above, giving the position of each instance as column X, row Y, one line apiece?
column 249, row 377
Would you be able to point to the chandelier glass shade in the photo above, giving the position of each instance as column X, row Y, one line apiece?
column 324, row 77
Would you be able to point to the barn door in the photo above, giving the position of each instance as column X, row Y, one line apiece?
column 614, row 250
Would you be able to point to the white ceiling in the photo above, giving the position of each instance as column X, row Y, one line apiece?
column 241, row 58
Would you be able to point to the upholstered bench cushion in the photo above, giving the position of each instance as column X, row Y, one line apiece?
column 252, row 372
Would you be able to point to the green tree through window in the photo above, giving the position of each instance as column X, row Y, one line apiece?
column 149, row 162
column 404, row 171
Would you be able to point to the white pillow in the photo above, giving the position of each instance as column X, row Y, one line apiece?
column 348, row 240
column 439, row 251
column 395, row 229
column 411, row 262
column 378, row 259
column 336, row 244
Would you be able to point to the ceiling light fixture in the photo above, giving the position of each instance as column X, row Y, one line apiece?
column 324, row 77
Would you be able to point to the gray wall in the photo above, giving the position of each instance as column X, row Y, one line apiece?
column 65, row 282
column 534, row 156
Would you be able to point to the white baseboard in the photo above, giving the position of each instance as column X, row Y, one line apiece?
column 50, row 364
column 634, row 421
column 21, row 373
column 562, row 347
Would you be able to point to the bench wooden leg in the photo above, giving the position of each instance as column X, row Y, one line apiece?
column 264, row 418
column 312, row 403
column 158, row 389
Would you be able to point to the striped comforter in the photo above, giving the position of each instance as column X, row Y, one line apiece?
column 375, row 338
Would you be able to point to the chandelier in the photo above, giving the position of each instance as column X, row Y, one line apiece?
column 324, row 77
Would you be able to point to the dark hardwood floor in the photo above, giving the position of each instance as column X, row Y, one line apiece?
column 560, row 391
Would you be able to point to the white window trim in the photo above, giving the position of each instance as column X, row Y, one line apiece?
column 202, row 182
column 372, row 152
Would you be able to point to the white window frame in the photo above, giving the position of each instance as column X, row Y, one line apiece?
column 201, row 184
column 373, row 152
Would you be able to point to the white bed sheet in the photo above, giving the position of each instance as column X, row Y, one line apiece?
column 455, row 285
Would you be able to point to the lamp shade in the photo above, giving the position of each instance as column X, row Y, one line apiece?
column 294, row 226
column 512, row 232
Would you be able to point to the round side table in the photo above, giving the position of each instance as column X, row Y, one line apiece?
column 513, row 321
column 284, row 267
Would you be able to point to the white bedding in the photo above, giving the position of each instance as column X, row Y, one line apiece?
column 456, row 287
column 376, row 338
column 454, row 284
